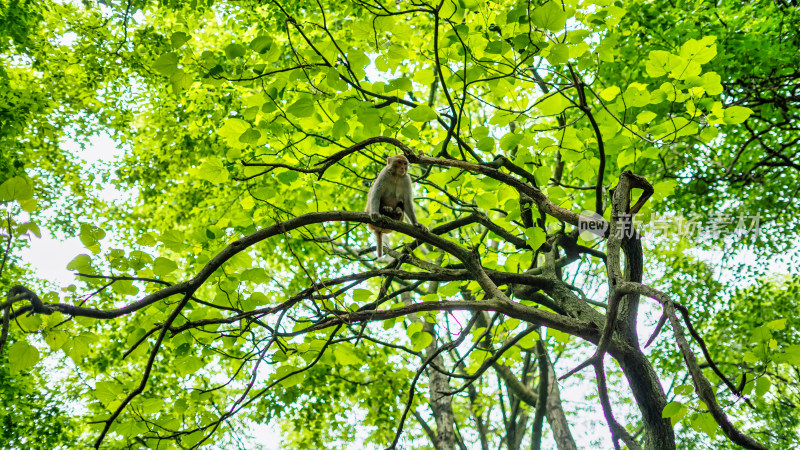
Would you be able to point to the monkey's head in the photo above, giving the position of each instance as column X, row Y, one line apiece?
column 398, row 165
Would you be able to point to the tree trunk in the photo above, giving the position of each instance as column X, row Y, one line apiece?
column 442, row 407
column 650, row 397
column 555, row 414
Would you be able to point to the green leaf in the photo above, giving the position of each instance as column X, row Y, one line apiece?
column 124, row 287
column 686, row 70
column 536, row 237
column 361, row 295
column 486, row 144
column 358, row 61
column 777, row 325
column 556, row 193
column 626, row 157
column 288, row 177
column 178, row 39
column 15, row 189
column 559, row 54
column 22, row 356
column 397, row 54
column 81, row 263
column 705, row 423
column 737, row 114
column 410, row 131
column 609, row 93
column 188, row 365
column 152, row 405
column 709, row 134
column 28, row 205
column 701, row 51
column 585, row 171
column 340, row 128
column 261, row 44
column 472, row 4
column 232, row 130
column 147, row 240
column 762, row 385
column 761, row 334
column 30, row 323
column 553, row 105
column 502, row 118
column 480, row 133
column 529, row 340
column 558, row 336
column 661, row 63
column 166, row 64
column 790, row 356
column 550, row 16
column 645, row 117
column 346, row 356
column 671, row 409
column 78, row 347
column 665, row 188
column 413, row 329
column 510, row 140
column 107, row 391
column 29, row 227
column 55, row 338
column 303, row 107
column 637, row 95
column 449, row 289
column 448, row 8
column 90, row 237
column 430, row 298
column 400, row 84
column 181, row 81
column 291, row 379
column 712, row 83
column 174, row 240
column 233, row 51
column 674, row 411
column 213, row 170
column 486, row 201
column 250, row 136
column 257, row 299
column 163, row 266
column 542, row 175
column 422, row 113
column 420, row 341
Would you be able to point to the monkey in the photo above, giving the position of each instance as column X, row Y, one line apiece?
column 391, row 195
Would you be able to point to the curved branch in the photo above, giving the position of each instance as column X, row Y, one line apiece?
column 704, row 389
column 535, row 193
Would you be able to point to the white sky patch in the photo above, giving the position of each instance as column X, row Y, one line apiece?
column 49, row 255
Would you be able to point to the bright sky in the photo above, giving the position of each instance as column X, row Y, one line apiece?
column 49, row 255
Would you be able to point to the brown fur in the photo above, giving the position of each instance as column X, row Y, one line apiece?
column 391, row 195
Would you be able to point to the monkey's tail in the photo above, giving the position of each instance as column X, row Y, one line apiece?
column 379, row 242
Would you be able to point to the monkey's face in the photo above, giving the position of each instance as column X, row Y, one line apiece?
column 399, row 166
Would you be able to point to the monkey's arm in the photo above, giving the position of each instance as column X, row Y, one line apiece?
column 374, row 197
column 408, row 204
